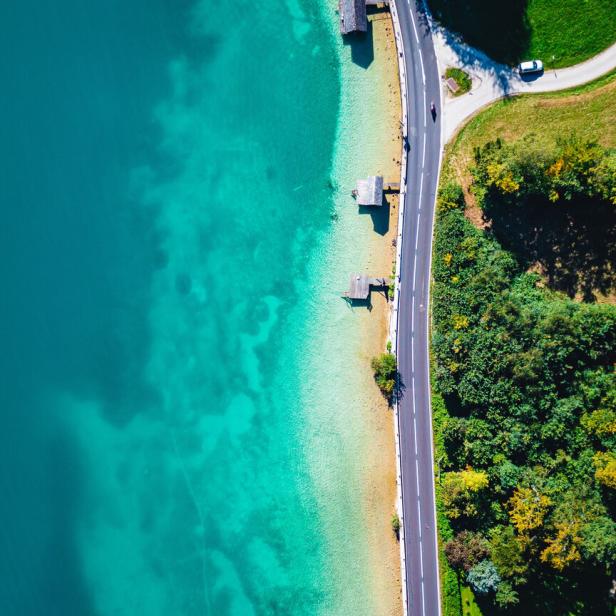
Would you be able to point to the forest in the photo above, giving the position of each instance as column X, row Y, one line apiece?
column 525, row 389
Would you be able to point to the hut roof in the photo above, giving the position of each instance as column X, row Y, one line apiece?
column 370, row 191
column 352, row 16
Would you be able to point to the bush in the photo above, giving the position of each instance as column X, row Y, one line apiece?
column 451, row 197
column 395, row 525
column 385, row 372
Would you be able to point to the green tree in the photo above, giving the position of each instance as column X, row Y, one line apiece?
column 507, row 554
column 506, row 596
column 599, row 541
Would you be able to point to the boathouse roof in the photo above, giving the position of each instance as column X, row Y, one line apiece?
column 370, row 190
column 353, row 16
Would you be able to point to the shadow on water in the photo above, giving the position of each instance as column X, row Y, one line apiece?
column 360, row 303
column 362, row 46
column 379, row 215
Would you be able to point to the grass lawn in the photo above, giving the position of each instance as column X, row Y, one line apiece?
column 566, row 32
column 513, row 30
column 469, row 606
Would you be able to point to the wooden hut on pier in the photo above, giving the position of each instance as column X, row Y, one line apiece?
column 370, row 191
column 353, row 17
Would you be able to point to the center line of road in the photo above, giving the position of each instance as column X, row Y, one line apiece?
column 416, row 247
column 414, row 26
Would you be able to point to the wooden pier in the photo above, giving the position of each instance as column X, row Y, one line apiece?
column 360, row 285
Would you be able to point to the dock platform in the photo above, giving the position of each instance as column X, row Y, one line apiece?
column 359, row 285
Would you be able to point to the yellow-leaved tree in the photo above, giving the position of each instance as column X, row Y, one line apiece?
column 605, row 468
column 527, row 509
column 564, row 548
column 460, row 490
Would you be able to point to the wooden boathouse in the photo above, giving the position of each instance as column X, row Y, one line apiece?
column 353, row 17
column 370, row 191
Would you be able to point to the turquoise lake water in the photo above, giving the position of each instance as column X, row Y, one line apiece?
column 165, row 184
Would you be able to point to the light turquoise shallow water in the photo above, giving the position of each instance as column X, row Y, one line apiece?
column 165, row 182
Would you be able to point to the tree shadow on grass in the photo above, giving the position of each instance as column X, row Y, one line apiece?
column 573, row 243
column 500, row 28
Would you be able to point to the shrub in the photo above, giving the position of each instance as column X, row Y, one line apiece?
column 385, row 372
column 451, row 197
column 395, row 525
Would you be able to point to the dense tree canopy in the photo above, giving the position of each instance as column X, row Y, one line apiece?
column 528, row 476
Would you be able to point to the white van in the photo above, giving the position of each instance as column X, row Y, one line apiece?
column 532, row 66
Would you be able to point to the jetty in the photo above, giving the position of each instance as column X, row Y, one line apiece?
column 360, row 285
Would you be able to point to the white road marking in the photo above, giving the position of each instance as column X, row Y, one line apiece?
column 414, row 26
column 423, row 72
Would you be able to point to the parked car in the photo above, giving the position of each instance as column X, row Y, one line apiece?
column 532, row 66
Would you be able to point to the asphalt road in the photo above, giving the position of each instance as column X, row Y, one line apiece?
column 415, row 424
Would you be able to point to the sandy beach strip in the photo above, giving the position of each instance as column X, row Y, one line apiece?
column 380, row 483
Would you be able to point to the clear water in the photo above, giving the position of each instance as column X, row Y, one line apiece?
column 165, row 184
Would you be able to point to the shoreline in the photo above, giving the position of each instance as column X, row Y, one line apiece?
column 349, row 426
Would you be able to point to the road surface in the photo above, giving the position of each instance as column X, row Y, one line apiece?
column 414, row 413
